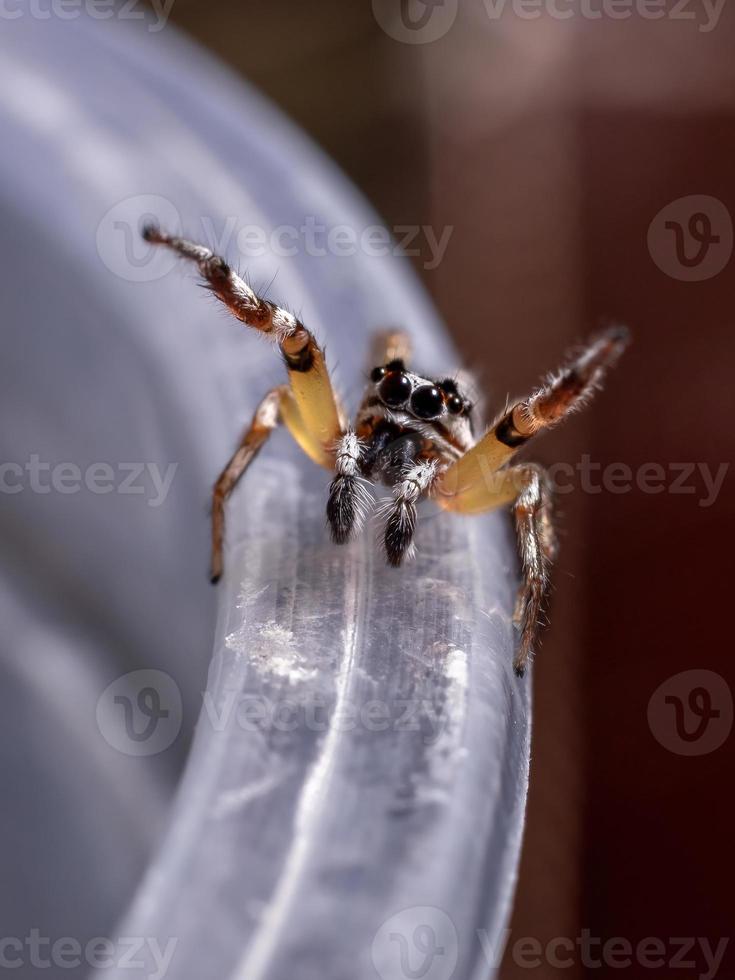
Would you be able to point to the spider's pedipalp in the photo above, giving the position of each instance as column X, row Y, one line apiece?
column 400, row 526
column 399, row 531
column 347, row 506
column 348, row 499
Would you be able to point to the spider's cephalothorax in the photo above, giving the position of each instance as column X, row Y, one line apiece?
column 406, row 429
column 411, row 433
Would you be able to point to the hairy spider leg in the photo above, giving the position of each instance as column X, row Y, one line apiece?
column 528, row 488
column 320, row 418
column 481, row 480
column 278, row 406
column 390, row 345
column 467, row 486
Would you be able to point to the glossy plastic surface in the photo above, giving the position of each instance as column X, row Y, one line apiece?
column 361, row 753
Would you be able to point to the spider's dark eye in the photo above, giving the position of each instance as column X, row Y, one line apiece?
column 377, row 374
column 455, row 404
column 427, row 402
column 395, row 389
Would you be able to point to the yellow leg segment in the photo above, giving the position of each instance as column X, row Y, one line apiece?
column 315, row 441
column 471, row 485
column 476, row 482
column 320, row 420
column 390, row 345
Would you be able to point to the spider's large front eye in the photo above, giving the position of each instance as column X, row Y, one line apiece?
column 395, row 389
column 427, row 402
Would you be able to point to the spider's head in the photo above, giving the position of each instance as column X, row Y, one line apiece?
column 406, row 394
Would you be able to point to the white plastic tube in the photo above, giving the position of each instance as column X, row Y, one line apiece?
column 354, row 797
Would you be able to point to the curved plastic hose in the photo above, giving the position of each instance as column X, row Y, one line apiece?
column 354, row 797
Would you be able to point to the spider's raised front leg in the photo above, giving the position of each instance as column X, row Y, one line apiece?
column 480, row 481
column 319, row 422
column 467, row 486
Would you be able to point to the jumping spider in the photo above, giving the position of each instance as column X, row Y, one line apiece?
column 412, row 433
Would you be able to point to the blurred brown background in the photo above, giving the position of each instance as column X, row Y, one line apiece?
column 548, row 146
